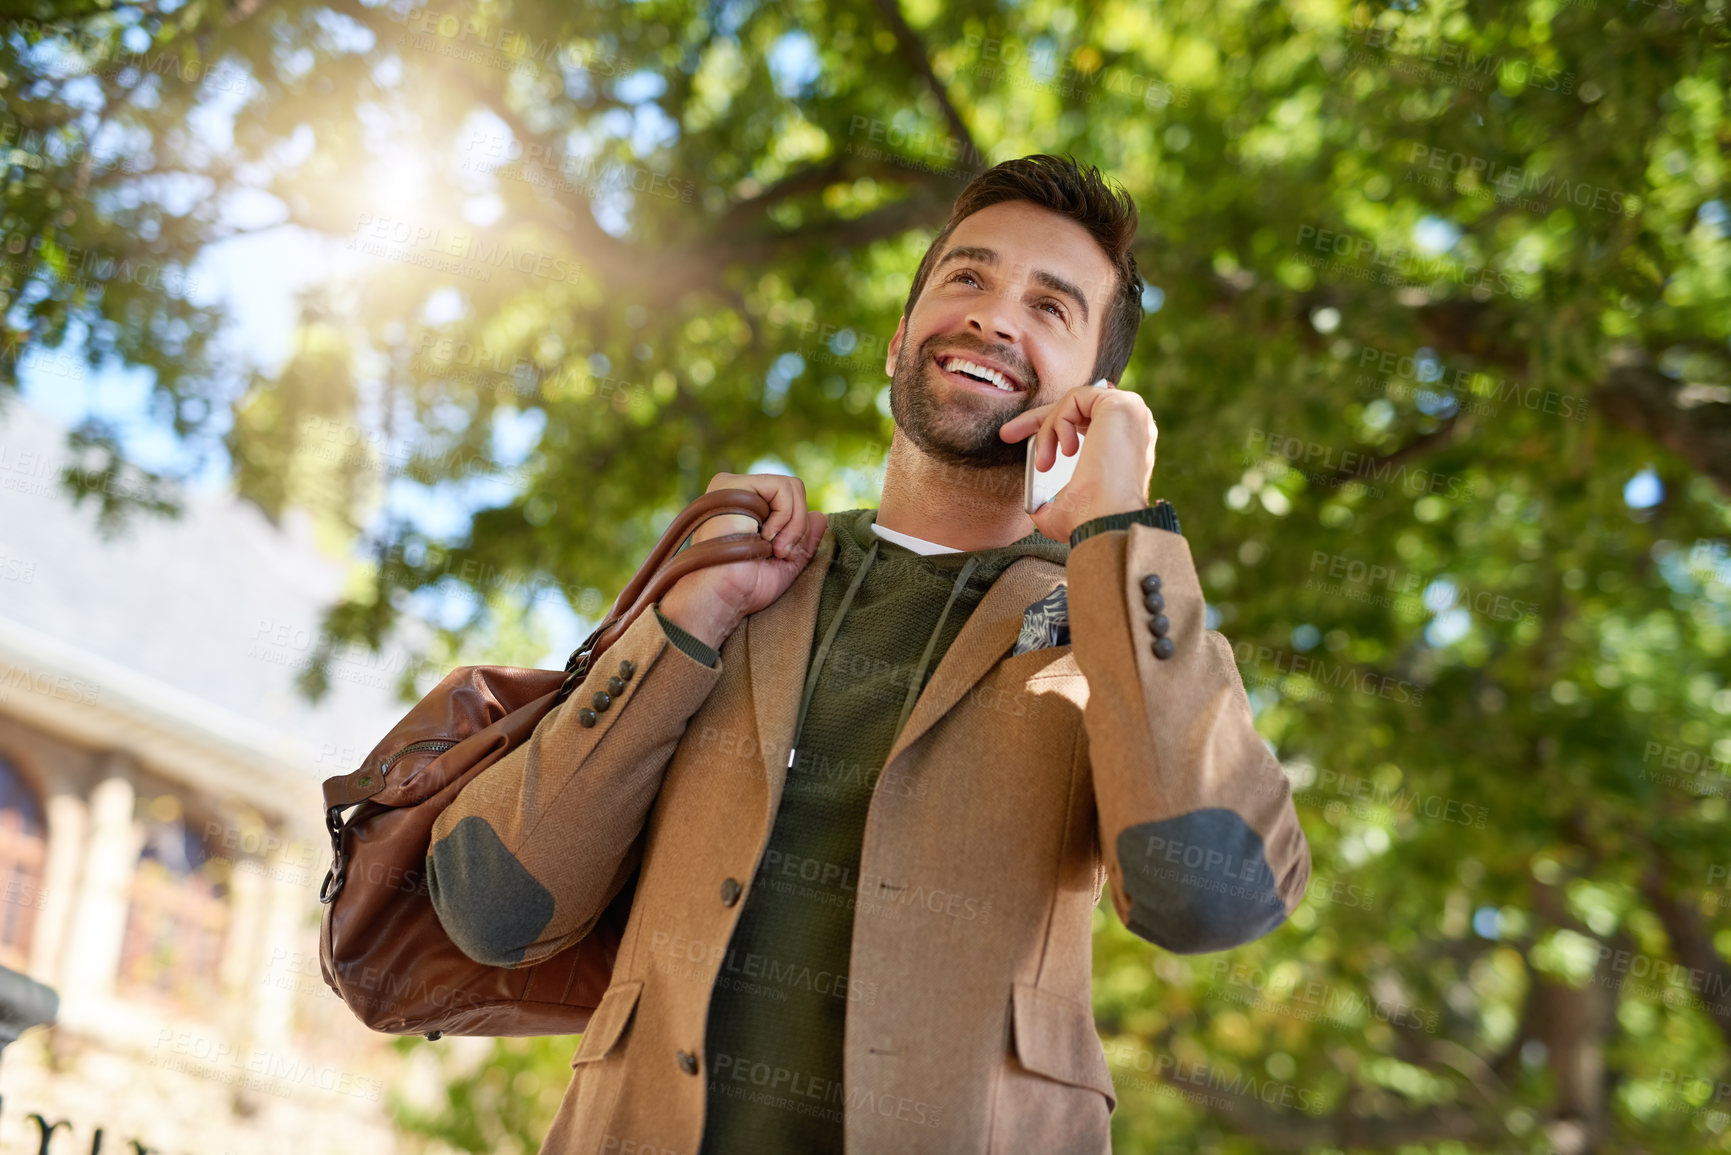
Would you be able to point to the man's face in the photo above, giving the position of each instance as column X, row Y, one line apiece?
column 1018, row 291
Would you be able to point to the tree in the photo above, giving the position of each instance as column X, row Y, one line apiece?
column 1436, row 337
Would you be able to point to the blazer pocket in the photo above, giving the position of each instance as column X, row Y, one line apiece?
column 608, row 1023
column 1056, row 1038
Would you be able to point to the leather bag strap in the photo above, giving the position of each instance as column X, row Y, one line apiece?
column 716, row 551
column 721, row 501
column 647, row 586
column 657, row 573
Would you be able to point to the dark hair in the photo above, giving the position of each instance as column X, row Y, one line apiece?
column 1081, row 193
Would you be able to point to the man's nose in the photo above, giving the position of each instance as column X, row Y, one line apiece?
column 991, row 318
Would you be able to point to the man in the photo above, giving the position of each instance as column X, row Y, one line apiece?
column 875, row 784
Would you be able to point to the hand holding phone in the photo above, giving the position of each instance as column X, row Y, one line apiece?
column 1039, row 487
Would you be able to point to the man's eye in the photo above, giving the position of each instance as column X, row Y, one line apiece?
column 965, row 275
column 1057, row 309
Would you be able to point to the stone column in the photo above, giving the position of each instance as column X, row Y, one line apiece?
column 246, row 910
column 67, row 822
column 92, row 960
column 289, row 960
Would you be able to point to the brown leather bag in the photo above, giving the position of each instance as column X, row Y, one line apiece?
column 381, row 946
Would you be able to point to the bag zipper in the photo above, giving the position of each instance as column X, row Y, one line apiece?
column 338, row 873
column 413, row 748
column 439, row 744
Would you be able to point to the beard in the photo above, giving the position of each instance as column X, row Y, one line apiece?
column 960, row 433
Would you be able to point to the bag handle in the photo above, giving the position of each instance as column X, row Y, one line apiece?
column 647, row 586
column 654, row 578
column 722, row 501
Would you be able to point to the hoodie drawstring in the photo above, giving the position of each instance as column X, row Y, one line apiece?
column 835, row 626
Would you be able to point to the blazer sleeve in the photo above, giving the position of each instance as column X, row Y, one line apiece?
column 528, row 855
column 1202, row 844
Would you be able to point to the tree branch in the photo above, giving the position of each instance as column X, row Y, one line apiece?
column 1248, row 1113
column 1635, row 394
column 596, row 244
column 1439, row 438
column 1691, row 942
column 842, row 167
column 922, row 208
column 1688, row 420
column 664, row 274
column 813, row 178
column 1294, row 1131
column 914, row 53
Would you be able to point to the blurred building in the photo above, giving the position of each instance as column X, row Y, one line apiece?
column 160, row 843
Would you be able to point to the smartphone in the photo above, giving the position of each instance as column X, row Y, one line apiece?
column 1039, row 487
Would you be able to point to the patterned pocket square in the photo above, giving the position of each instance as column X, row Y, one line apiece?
column 1045, row 623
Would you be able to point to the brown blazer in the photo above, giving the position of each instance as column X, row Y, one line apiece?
column 1020, row 786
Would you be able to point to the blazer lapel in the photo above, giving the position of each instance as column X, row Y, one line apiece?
column 778, row 641
column 989, row 634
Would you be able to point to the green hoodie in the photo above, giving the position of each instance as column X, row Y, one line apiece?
column 777, row 1014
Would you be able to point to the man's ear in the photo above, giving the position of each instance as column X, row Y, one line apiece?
column 895, row 347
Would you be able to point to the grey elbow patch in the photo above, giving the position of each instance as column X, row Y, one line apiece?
column 1198, row 882
column 487, row 901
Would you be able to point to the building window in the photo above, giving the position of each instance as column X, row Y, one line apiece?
column 23, row 844
column 178, row 915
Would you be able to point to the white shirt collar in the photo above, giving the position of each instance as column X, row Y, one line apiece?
column 907, row 541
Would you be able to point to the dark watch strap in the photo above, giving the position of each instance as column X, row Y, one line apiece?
column 698, row 651
column 1160, row 515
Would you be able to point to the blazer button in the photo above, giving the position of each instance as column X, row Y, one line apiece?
column 1151, row 584
column 601, row 700
column 730, row 892
column 586, row 717
column 688, row 1062
column 1160, row 625
column 627, row 668
column 615, row 687
column 1155, row 602
column 1163, row 648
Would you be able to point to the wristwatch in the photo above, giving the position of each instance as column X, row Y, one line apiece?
column 1160, row 515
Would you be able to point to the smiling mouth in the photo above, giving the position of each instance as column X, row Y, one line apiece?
column 974, row 373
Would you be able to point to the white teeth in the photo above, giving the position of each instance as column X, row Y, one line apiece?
column 963, row 365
